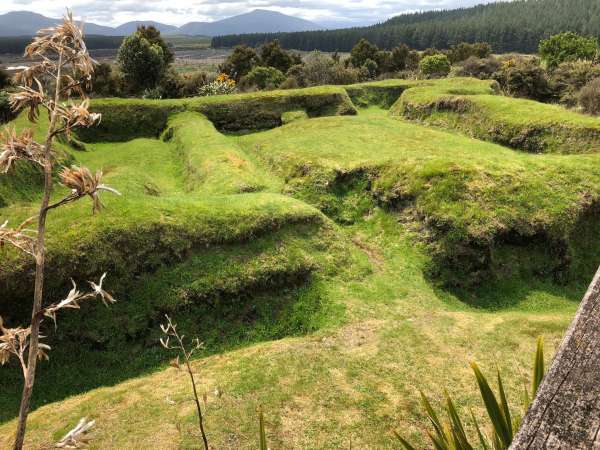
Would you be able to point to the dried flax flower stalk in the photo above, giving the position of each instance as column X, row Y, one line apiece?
column 170, row 332
column 62, row 68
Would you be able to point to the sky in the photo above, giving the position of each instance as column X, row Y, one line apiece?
column 178, row 12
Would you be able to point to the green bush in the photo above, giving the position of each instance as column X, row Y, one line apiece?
column 362, row 52
column 272, row 55
column 320, row 69
column 589, row 97
column 463, row 51
column 399, row 57
column 264, row 78
column 524, row 78
column 142, row 63
column 482, row 68
column 412, row 60
column 191, row 83
column 384, row 62
column 370, row 69
column 4, row 79
column 570, row 77
column 436, row 65
column 171, row 85
column 568, row 47
column 105, row 81
column 240, row 62
column 6, row 113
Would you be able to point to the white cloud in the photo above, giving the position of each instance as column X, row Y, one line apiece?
column 177, row 12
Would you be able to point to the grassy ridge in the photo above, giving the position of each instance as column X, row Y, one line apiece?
column 473, row 197
column 467, row 105
column 130, row 118
column 222, row 233
column 349, row 382
column 179, row 226
column 212, row 163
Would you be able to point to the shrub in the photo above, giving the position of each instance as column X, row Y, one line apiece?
column 152, row 94
column 463, row 51
column 568, row 47
column 370, row 69
column 241, row 61
column 141, row 62
column 362, row 52
column 221, row 86
column 569, row 77
column 343, row 75
column 290, row 83
column 523, row 78
column 384, row 61
column 589, row 97
column 272, row 55
column 482, row 68
column 152, row 35
column 6, row 112
column 4, row 79
column 316, row 69
column 436, row 65
column 412, row 60
column 171, row 85
column 191, row 83
column 321, row 69
column 399, row 57
column 105, row 82
column 264, row 78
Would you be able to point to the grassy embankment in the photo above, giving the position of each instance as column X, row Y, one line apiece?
column 210, row 232
column 471, row 107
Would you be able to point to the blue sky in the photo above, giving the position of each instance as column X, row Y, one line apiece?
column 177, row 12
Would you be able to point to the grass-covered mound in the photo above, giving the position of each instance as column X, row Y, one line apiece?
column 379, row 93
column 470, row 106
column 472, row 199
column 222, row 233
column 125, row 119
column 348, row 382
column 178, row 214
column 212, row 163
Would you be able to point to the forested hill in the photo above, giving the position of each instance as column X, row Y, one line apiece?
column 507, row 26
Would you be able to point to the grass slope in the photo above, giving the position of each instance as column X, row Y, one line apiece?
column 331, row 327
column 469, row 106
column 184, row 223
column 349, row 382
column 126, row 119
column 472, row 197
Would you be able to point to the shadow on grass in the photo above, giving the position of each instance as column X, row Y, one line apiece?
column 532, row 294
column 74, row 369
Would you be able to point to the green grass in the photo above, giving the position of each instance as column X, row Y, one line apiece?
column 331, row 326
column 472, row 196
column 471, row 107
column 212, row 163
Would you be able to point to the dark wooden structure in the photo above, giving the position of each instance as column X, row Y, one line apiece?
column 566, row 411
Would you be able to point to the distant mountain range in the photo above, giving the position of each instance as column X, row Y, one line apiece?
column 25, row 23
column 508, row 26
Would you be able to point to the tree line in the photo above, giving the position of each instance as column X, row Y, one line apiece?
column 14, row 45
column 513, row 26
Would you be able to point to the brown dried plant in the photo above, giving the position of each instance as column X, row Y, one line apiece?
column 62, row 68
column 171, row 334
